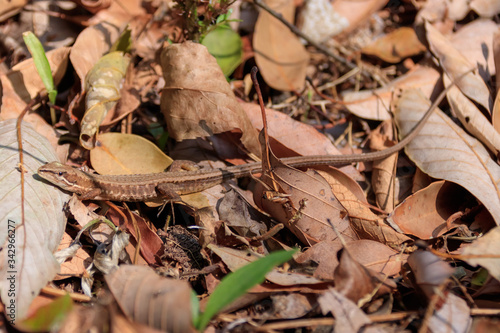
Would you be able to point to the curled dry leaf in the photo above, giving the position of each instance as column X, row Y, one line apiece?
column 150, row 299
column 197, row 100
column 357, row 12
column 122, row 154
column 383, row 179
column 445, row 151
column 374, row 104
column 103, row 85
column 280, row 55
column 455, row 65
column 424, row 214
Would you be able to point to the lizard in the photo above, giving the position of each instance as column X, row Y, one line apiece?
column 170, row 185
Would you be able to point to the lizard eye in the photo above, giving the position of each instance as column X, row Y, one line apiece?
column 61, row 173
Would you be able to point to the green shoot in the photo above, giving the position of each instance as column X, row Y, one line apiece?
column 238, row 283
column 43, row 67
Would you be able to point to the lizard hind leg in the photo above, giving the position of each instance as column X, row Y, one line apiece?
column 166, row 191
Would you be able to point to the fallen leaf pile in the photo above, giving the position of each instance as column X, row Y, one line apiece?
column 410, row 242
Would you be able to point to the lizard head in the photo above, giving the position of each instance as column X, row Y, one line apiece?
column 64, row 176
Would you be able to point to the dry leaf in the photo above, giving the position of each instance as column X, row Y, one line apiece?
column 90, row 45
column 374, row 104
column 444, row 151
column 452, row 316
column 349, row 318
column 424, row 213
column 307, row 206
column 383, row 174
column 455, row 65
column 319, row 21
column 150, row 299
column 485, row 8
column 235, row 259
column 472, row 118
column 363, row 221
column 121, row 154
column 25, row 79
column 356, row 282
column 371, row 254
column 280, row 55
column 487, row 245
column 27, row 262
column 357, row 12
column 396, row 46
column 10, row 8
column 197, row 100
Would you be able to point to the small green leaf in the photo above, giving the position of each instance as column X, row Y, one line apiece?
column 239, row 282
column 41, row 63
column 49, row 317
column 124, row 42
column 226, row 46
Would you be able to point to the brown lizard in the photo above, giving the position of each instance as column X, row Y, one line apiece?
column 169, row 185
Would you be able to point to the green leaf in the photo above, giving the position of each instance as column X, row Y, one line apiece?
column 48, row 317
column 239, row 282
column 123, row 43
column 41, row 63
column 226, row 46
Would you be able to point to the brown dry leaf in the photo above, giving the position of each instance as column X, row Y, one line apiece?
column 74, row 266
column 373, row 104
column 485, row 8
column 472, row 118
column 475, row 42
column 235, row 259
column 357, row 12
column 303, row 202
column 197, row 100
column 445, row 151
column 147, row 298
column 280, row 55
column 291, row 306
column 455, row 65
column 396, row 46
column 150, row 245
column 89, row 47
column 119, row 14
column 383, row 174
column 373, row 255
column 349, row 318
column 429, row 271
column 495, row 114
column 452, row 316
column 25, row 79
column 424, row 213
column 120, row 154
column 94, row 6
column 483, row 247
column 356, row 282
column 9, row 8
column 365, row 223
column 288, row 136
